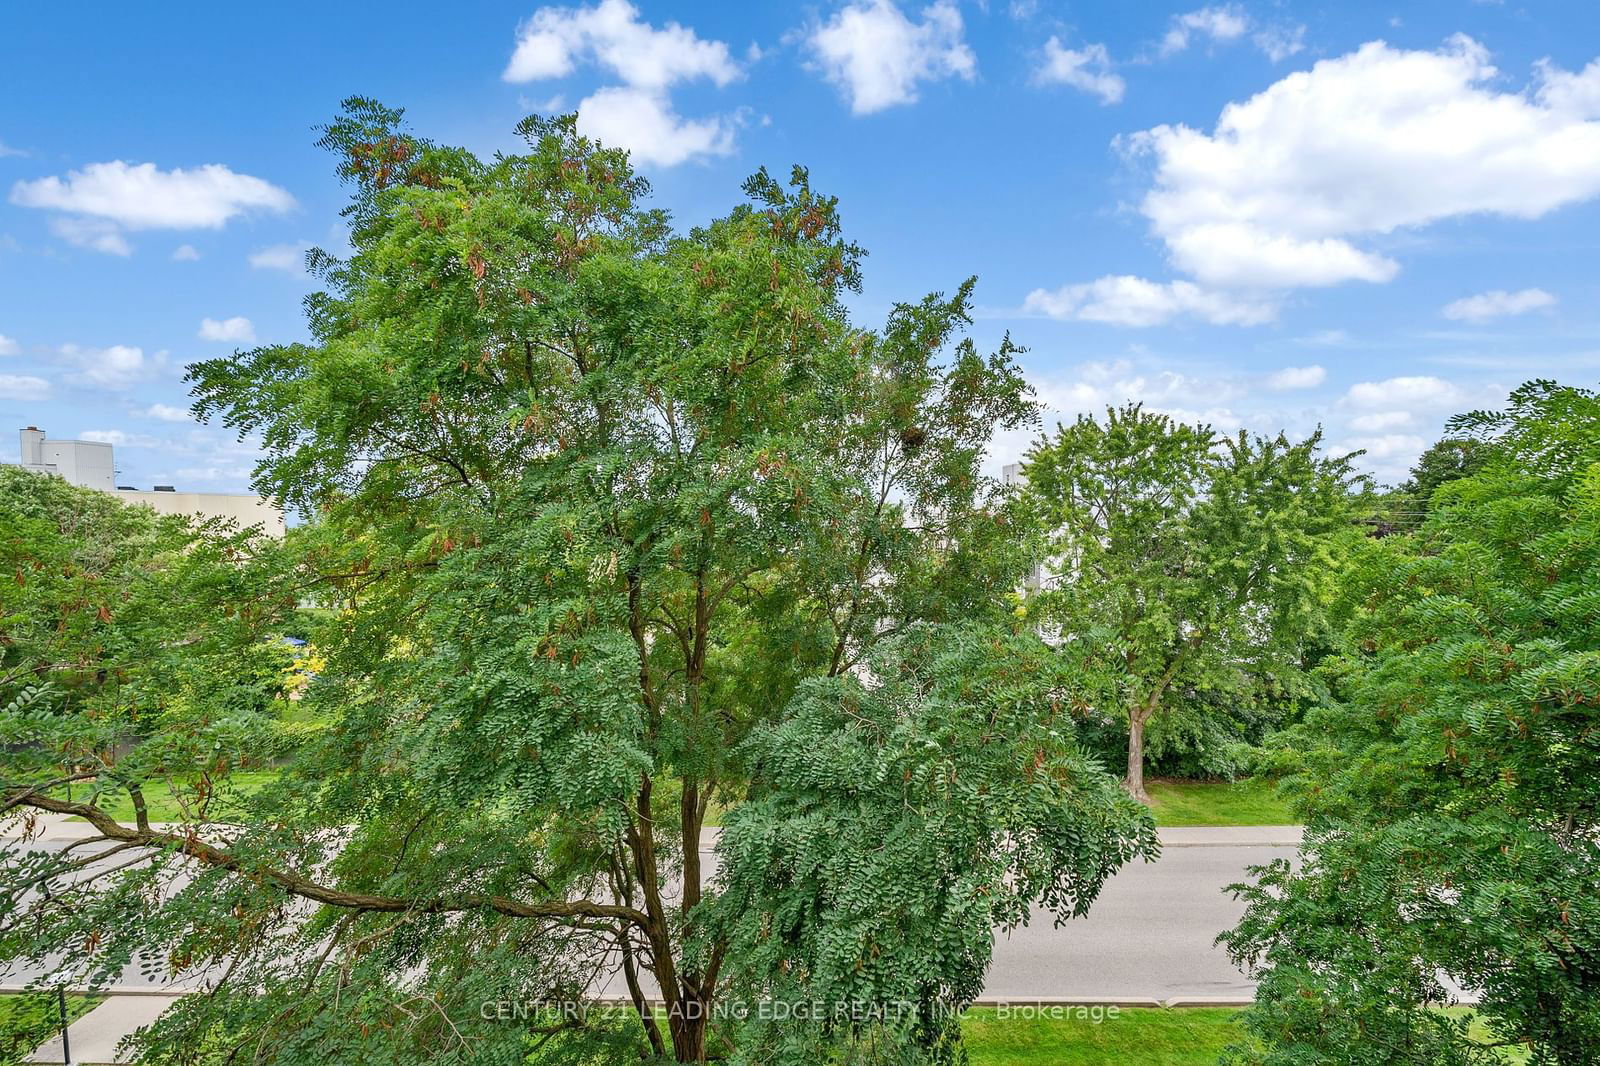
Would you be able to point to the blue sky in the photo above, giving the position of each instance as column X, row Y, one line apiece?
column 1270, row 215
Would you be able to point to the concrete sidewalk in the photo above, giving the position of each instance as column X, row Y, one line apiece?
column 47, row 827
column 51, row 827
column 95, row 1036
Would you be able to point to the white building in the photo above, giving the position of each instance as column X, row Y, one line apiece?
column 1011, row 474
column 79, row 462
column 90, row 464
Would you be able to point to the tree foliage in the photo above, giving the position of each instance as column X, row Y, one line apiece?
column 1444, row 461
column 1452, row 795
column 1403, row 508
column 614, row 524
column 117, row 624
column 891, row 825
column 1187, row 566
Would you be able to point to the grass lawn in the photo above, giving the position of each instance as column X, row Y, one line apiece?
column 1245, row 802
column 163, row 807
column 29, row 1019
column 1149, row 1036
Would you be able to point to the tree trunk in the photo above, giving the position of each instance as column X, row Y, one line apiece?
column 689, row 1029
column 1134, row 782
column 689, row 1035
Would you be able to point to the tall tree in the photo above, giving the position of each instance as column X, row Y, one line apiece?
column 624, row 524
column 1183, row 561
column 1452, row 795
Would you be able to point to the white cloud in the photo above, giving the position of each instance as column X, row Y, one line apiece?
column 876, row 56
column 1098, row 385
column 645, row 124
column 6, row 149
column 1090, row 388
column 117, row 367
column 556, row 39
column 1393, row 420
column 550, row 105
column 1498, row 302
column 141, row 196
column 639, row 115
column 1123, row 300
column 1226, row 22
column 236, row 329
column 1365, row 144
column 9, row 345
column 119, row 438
column 1411, row 393
column 1087, row 68
column 1379, row 421
column 167, row 413
column 93, row 233
column 1387, row 451
column 1327, row 338
column 186, row 253
column 290, row 258
column 1569, row 92
column 1297, row 377
column 1242, row 253
column 237, row 474
column 24, row 388
column 1280, row 42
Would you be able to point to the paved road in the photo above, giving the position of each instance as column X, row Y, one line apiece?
column 1148, row 936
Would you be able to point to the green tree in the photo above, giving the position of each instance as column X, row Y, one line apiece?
column 1445, row 461
column 1452, row 795
column 117, row 624
column 621, row 524
column 1403, row 508
column 1181, row 561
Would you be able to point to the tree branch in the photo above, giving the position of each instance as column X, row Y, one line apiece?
column 305, row 888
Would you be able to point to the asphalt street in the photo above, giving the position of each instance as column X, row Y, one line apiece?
column 1148, row 937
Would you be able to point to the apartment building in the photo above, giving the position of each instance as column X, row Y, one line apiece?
column 92, row 465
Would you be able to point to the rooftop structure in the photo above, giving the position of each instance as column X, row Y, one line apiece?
column 91, row 465
column 79, row 462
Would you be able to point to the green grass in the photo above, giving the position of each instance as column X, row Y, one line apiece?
column 28, row 1019
column 1149, row 1036
column 164, row 807
column 1479, row 1031
column 1246, row 802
